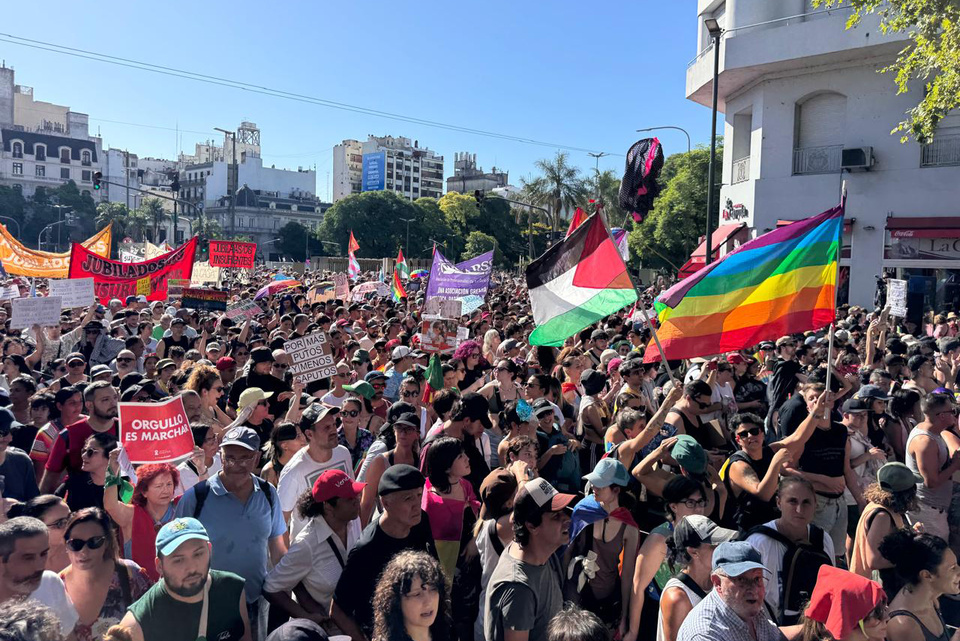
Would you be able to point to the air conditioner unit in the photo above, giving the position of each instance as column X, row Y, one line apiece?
column 857, row 158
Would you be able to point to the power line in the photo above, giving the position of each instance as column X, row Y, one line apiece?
column 267, row 91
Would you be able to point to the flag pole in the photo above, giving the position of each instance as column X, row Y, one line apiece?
column 836, row 290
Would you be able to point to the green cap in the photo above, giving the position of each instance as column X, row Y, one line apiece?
column 897, row 477
column 689, row 454
column 362, row 388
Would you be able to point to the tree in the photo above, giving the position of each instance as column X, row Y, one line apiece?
column 492, row 217
column 116, row 214
column 293, row 241
column 152, row 209
column 13, row 205
column 376, row 219
column 672, row 229
column 933, row 55
column 479, row 243
column 431, row 226
column 559, row 187
column 609, row 188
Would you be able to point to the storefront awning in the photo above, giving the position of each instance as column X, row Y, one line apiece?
column 721, row 236
column 924, row 227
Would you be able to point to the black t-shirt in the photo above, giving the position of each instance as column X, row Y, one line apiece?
column 23, row 436
column 783, row 382
column 824, row 453
column 80, row 491
column 19, row 480
column 748, row 510
column 366, row 561
column 792, row 414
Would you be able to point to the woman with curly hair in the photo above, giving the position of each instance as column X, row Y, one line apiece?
column 205, row 381
column 153, row 505
column 410, row 602
column 473, row 379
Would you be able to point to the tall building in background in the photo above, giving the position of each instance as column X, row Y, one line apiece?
column 43, row 144
column 387, row 163
column 468, row 177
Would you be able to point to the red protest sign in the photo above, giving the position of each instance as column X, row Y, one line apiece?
column 228, row 253
column 155, row 432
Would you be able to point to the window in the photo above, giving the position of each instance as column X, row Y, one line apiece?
column 18, row 169
column 40, row 151
column 85, row 158
column 65, row 173
column 85, row 176
column 819, row 125
column 41, row 170
column 18, row 150
column 65, row 154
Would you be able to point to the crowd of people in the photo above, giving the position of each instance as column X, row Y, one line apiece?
column 805, row 488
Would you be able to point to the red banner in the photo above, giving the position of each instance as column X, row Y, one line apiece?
column 113, row 279
column 155, row 432
column 228, row 253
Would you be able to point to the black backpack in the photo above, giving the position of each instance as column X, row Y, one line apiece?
column 801, row 564
column 202, row 489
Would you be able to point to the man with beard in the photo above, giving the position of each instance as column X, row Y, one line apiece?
column 24, row 546
column 191, row 601
column 101, row 398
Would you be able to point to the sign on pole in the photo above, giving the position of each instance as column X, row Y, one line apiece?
column 43, row 311
column 439, row 335
column 228, row 253
column 77, row 292
column 443, row 308
column 897, row 297
column 155, row 432
column 209, row 299
column 312, row 357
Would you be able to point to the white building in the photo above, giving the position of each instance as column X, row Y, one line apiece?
column 392, row 163
column 468, row 177
column 43, row 144
column 804, row 110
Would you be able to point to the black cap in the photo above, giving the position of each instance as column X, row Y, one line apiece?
column 298, row 630
column 542, row 406
column 592, row 381
column 855, row 406
column 477, row 408
column 598, row 334
column 129, row 380
column 399, row 478
column 261, row 355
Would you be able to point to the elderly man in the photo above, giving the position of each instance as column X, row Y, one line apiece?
column 124, row 363
column 281, row 363
column 99, row 348
column 733, row 610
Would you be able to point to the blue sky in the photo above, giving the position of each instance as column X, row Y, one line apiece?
column 566, row 72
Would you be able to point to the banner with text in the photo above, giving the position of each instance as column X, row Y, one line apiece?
column 243, row 309
column 209, row 299
column 469, row 278
column 20, row 260
column 229, row 253
column 113, row 279
column 155, row 432
column 312, row 357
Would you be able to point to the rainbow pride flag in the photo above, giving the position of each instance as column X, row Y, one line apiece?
column 398, row 290
column 782, row 282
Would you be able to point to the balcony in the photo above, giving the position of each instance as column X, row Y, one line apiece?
column 944, row 151
column 741, row 171
column 817, row 160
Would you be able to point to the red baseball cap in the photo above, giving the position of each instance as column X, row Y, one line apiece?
column 335, row 483
column 392, row 343
column 225, row 362
column 735, row 359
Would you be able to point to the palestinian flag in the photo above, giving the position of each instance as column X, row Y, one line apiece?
column 433, row 379
column 402, row 266
column 579, row 217
column 576, row 283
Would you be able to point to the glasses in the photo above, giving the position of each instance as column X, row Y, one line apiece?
column 694, row 503
column 701, row 404
column 88, row 451
column 124, row 360
column 378, row 385
column 751, row 432
column 411, row 394
column 59, row 524
column 76, row 364
column 502, row 369
column 93, row 543
column 239, row 460
column 343, row 374
column 218, row 388
column 281, row 365
column 350, row 413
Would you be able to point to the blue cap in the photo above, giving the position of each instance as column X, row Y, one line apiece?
column 179, row 531
column 243, row 437
column 873, row 393
column 609, row 471
column 737, row 557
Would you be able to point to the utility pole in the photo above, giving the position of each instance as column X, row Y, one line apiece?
column 232, row 172
column 597, row 157
column 126, row 174
column 713, row 27
column 406, row 247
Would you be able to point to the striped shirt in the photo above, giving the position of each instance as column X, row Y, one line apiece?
column 713, row 620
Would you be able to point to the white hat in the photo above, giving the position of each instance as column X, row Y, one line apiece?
column 399, row 352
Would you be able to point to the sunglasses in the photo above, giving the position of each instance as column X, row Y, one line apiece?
column 88, row 451
column 94, row 543
column 701, row 404
column 350, row 413
column 59, row 524
column 378, row 386
column 753, row 431
column 124, row 360
column 411, row 394
column 281, row 365
column 262, row 404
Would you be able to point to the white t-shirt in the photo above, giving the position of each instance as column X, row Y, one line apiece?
column 721, row 394
column 333, row 401
column 189, row 478
column 298, row 476
column 53, row 594
column 771, row 555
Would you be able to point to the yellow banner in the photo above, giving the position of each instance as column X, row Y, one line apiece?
column 24, row 261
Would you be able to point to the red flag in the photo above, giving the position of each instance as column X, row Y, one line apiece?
column 579, row 217
column 354, row 245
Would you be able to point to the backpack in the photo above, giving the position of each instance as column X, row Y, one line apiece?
column 202, row 489
column 801, row 564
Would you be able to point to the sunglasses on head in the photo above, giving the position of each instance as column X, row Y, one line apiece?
column 753, row 431
column 94, row 543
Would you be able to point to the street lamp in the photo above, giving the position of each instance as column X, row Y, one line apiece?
column 50, row 226
column 408, row 221
column 14, row 222
column 670, row 127
column 269, row 242
column 713, row 28
column 231, row 169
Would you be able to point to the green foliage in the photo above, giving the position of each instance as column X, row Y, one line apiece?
column 609, row 182
column 153, row 211
column 933, row 55
column 293, row 242
column 492, row 218
column 13, row 205
column 672, row 229
column 559, row 187
column 375, row 218
column 479, row 243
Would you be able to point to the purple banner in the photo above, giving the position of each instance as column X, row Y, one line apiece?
column 469, row 278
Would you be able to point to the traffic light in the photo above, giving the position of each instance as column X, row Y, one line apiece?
column 479, row 196
column 97, row 175
column 175, row 182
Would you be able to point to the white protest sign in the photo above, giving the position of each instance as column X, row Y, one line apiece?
column 204, row 273
column 897, row 297
column 10, row 292
column 245, row 309
column 341, row 286
column 42, row 310
column 443, row 308
column 75, row 292
column 312, row 357
column 471, row 303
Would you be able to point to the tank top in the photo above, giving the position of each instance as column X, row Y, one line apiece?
column 824, row 453
column 607, row 578
column 695, row 430
column 938, row 497
column 858, row 558
column 749, row 510
column 693, row 596
column 927, row 634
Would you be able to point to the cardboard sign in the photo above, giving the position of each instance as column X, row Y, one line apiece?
column 321, row 293
column 43, row 311
column 10, row 292
column 209, row 299
column 897, row 297
column 74, row 293
column 243, row 309
column 438, row 335
column 228, row 253
column 312, row 357
column 175, row 287
column 442, row 308
column 155, row 432
column 341, row 286
column 204, row 273
column 143, row 286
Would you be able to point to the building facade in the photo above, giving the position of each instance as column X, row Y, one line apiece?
column 388, row 163
column 43, row 144
column 801, row 120
column 468, row 177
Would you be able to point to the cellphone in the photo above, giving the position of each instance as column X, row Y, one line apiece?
column 712, row 365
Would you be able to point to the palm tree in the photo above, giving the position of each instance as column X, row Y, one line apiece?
column 115, row 214
column 607, row 186
column 137, row 224
column 154, row 212
column 559, row 188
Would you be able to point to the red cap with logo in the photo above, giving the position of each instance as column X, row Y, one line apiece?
column 335, row 484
